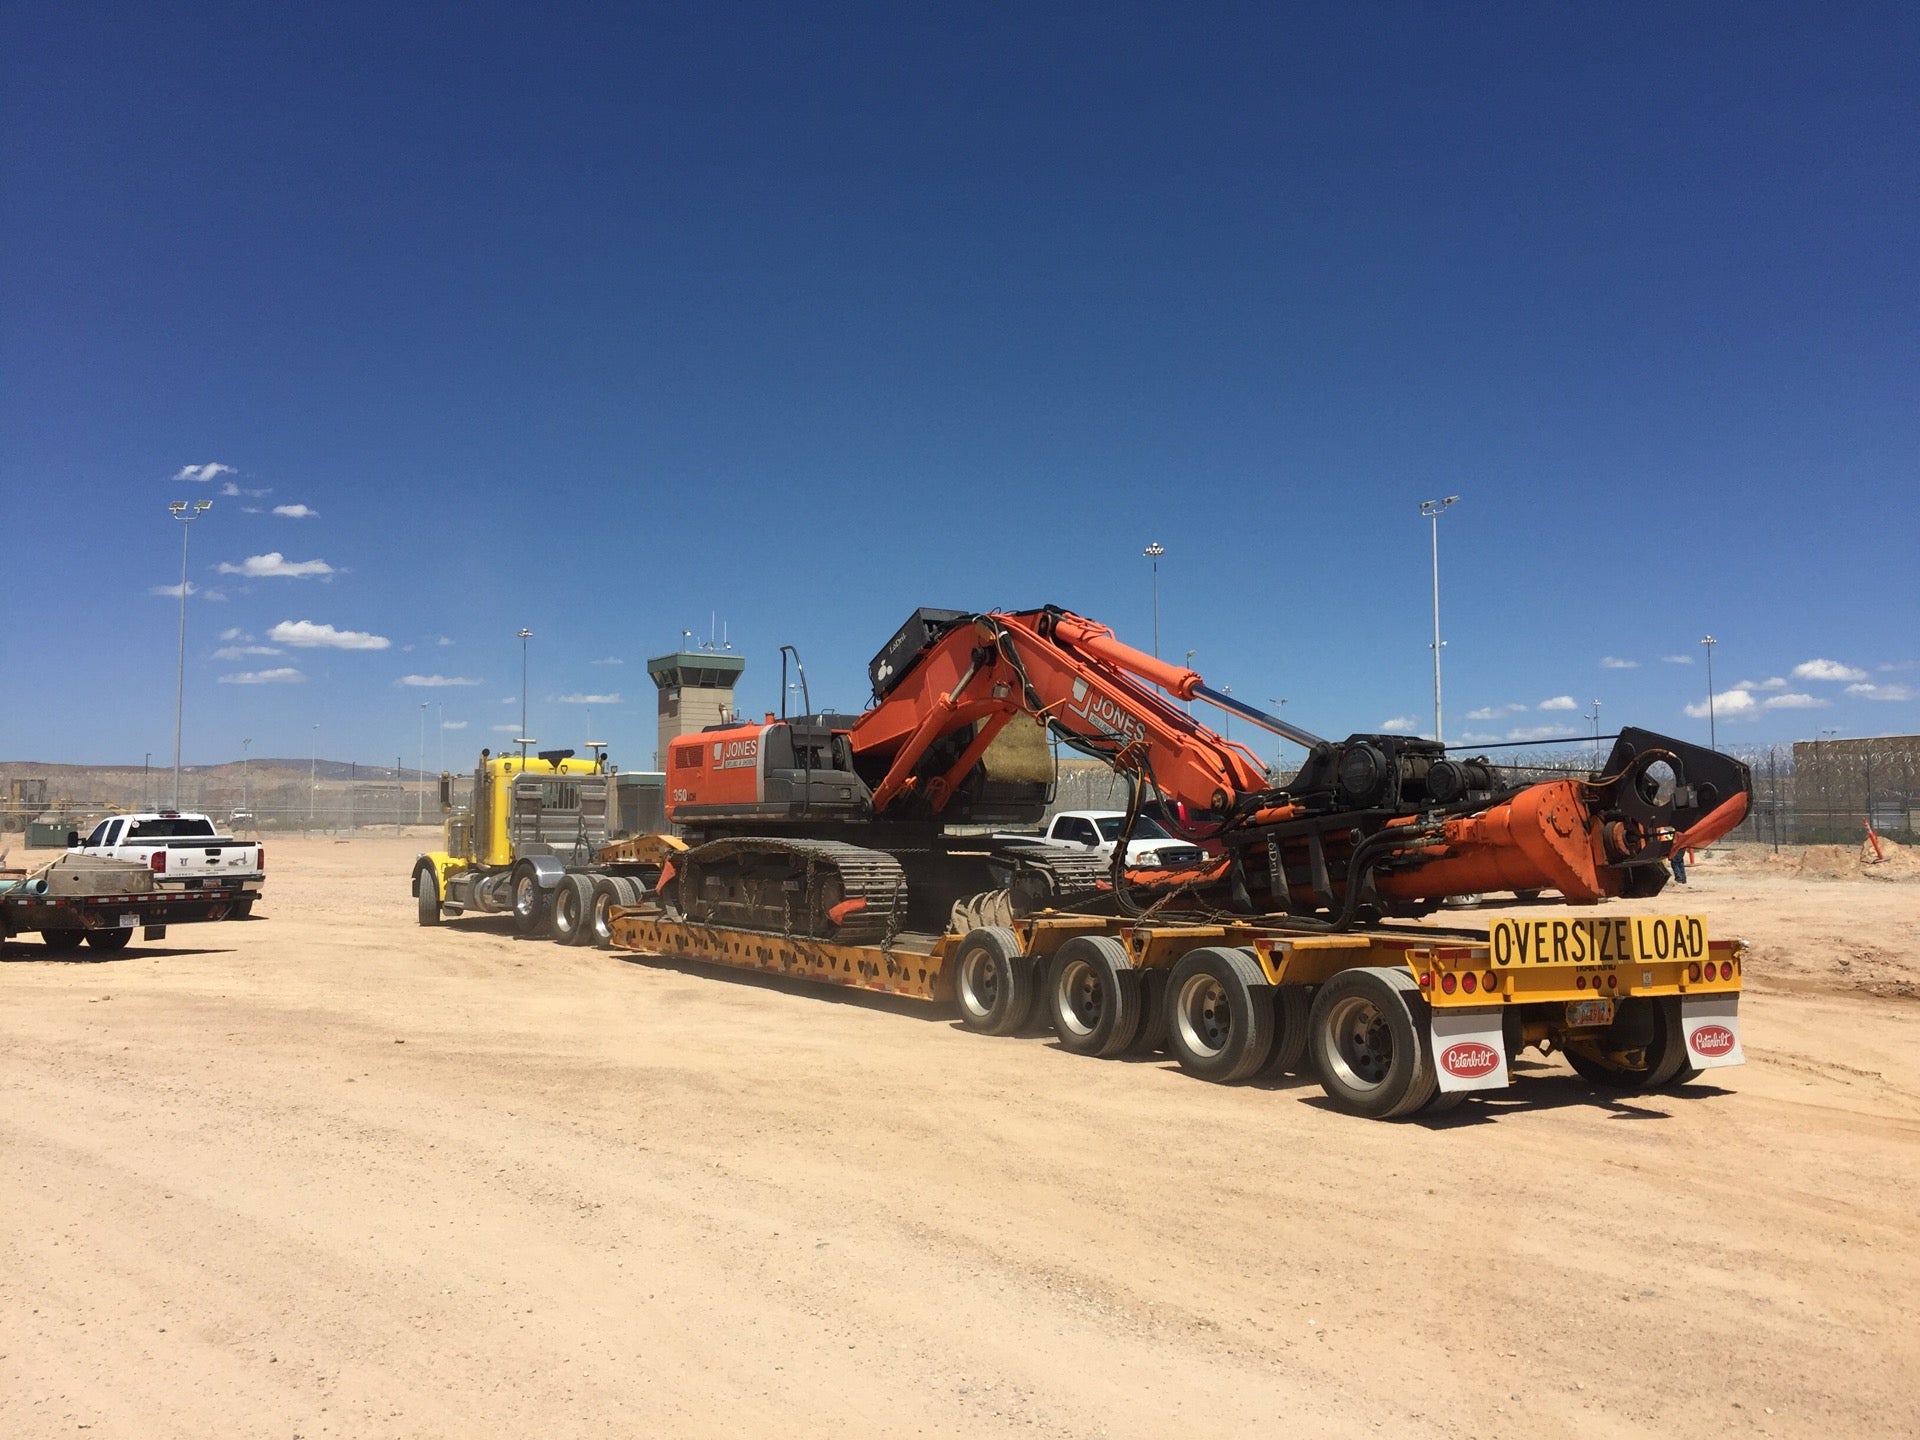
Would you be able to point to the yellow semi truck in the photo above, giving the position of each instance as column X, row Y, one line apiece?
column 535, row 844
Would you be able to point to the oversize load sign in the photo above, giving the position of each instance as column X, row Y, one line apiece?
column 1619, row 940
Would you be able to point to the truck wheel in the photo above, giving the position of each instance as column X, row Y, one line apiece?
column 427, row 886
column 632, row 891
column 1368, row 1039
column 1093, row 1013
column 530, row 907
column 992, row 981
column 63, row 939
column 1665, row 1048
column 1219, row 1020
column 606, row 895
column 109, row 939
column 1292, row 1011
column 573, row 910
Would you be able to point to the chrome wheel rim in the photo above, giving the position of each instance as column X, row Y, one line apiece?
column 523, row 896
column 1361, row 1055
column 979, row 984
column 1082, row 997
column 1203, row 1016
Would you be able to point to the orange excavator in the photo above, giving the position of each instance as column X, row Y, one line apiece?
column 854, row 828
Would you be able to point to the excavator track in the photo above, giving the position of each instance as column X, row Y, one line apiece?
column 795, row 888
column 1043, row 878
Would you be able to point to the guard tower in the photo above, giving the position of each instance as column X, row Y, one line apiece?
column 696, row 690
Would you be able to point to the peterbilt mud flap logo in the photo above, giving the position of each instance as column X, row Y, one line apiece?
column 1469, row 1060
column 1106, row 715
column 1711, row 1024
column 1711, row 1041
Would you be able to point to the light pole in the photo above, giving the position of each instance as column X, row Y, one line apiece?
column 1275, row 700
column 186, row 512
column 525, row 635
column 420, row 803
column 1190, row 655
column 1826, row 781
column 1595, row 718
column 1153, row 552
column 1431, row 509
column 313, row 773
column 1713, row 739
column 146, row 766
column 246, row 778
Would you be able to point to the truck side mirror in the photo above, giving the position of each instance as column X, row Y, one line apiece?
column 73, row 839
column 446, row 792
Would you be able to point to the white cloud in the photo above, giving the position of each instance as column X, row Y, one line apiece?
column 296, row 512
column 1558, row 702
column 453, row 724
column 1897, row 665
column 308, row 635
column 1727, row 705
column 1773, row 683
column 1678, row 659
column 236, row 633
column 503, row 729
column 434, row 682
column 1538, row 732
column 1793, row 702
column 613, row 699
column 444, row 640
column 172, row 592
column 1496, row 712
column 233, row 491
column 286, row 675
column 610, row 660
column 1880, row 692
column 240, row 652
column 204, row 472
column 1827, row 670
column 509, row 699
column 1614, row 662
column 273, row 563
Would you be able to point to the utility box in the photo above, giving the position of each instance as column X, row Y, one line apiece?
column 640, row 803
column 48, row 833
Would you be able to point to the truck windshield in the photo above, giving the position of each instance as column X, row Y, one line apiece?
column 175, row 828
column 1143, row 828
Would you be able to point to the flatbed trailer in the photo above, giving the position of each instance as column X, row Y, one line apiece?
column 1392, row 1021
column 102, row 902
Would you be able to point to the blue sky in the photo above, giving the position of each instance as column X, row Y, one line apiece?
column 604, row 321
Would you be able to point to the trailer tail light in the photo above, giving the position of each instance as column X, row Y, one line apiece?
column 1693, row 971
column 158, row 861
column 1426, row 979
column 1449, row 983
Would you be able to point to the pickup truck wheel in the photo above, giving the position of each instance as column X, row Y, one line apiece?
column 530, row 904
column 1219, row 1018
column 109, row 939
column 573, row 910
column 992, row 981
column 1367, row 1036
column 1664, row 1052
column 63, row 939
column 427, row 885
column 1093, row 1012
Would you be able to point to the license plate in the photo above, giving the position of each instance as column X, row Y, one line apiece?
column 1589, row 1012
column 127, row 922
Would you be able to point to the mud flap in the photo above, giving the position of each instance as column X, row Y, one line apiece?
column 1711, row 1024
column 1469, row 1048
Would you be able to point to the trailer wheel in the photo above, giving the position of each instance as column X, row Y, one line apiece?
column 573, row 910
column 1219, row 1018
column 632, row 890
column 63, row 939
column 426, row 886
column 606, row 895
column 109, row 939
column 1093, row 1011
column 992, row 981
column 1654, row 1021
column 1368, row 1037
column 1151, row 1036
column 1292, row 1013
column 530, row 908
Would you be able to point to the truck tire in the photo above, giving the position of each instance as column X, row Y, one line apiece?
column 573, row 910
column 992, row 981
column 1369, row 1039
column 109, row 939
column 531, row 904
column 1219, row 1016
column 632, row 891
column 426, row 887
column 1292, row 1013
column 61, row 940
column 1665, row 1051
column 1093, row 1011
column 606, row 895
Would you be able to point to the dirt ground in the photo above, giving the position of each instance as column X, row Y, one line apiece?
column 333, row 1174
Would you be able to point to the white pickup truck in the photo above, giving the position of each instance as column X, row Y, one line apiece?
column 1096, row 832
column 184, row 851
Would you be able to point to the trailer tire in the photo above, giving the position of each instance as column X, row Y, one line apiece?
column 606, row 895
column 632, row 891
column 61, row 940
column 531, row 908
column 1093, row 1009
column 1368, row 1036
column 109, row 939
column 1151, row 1036
column 426, row 886
column 992, row 981
column 573, row 910
column 1666, row 1052
column 1219, row 1017
column 1292, row 1015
